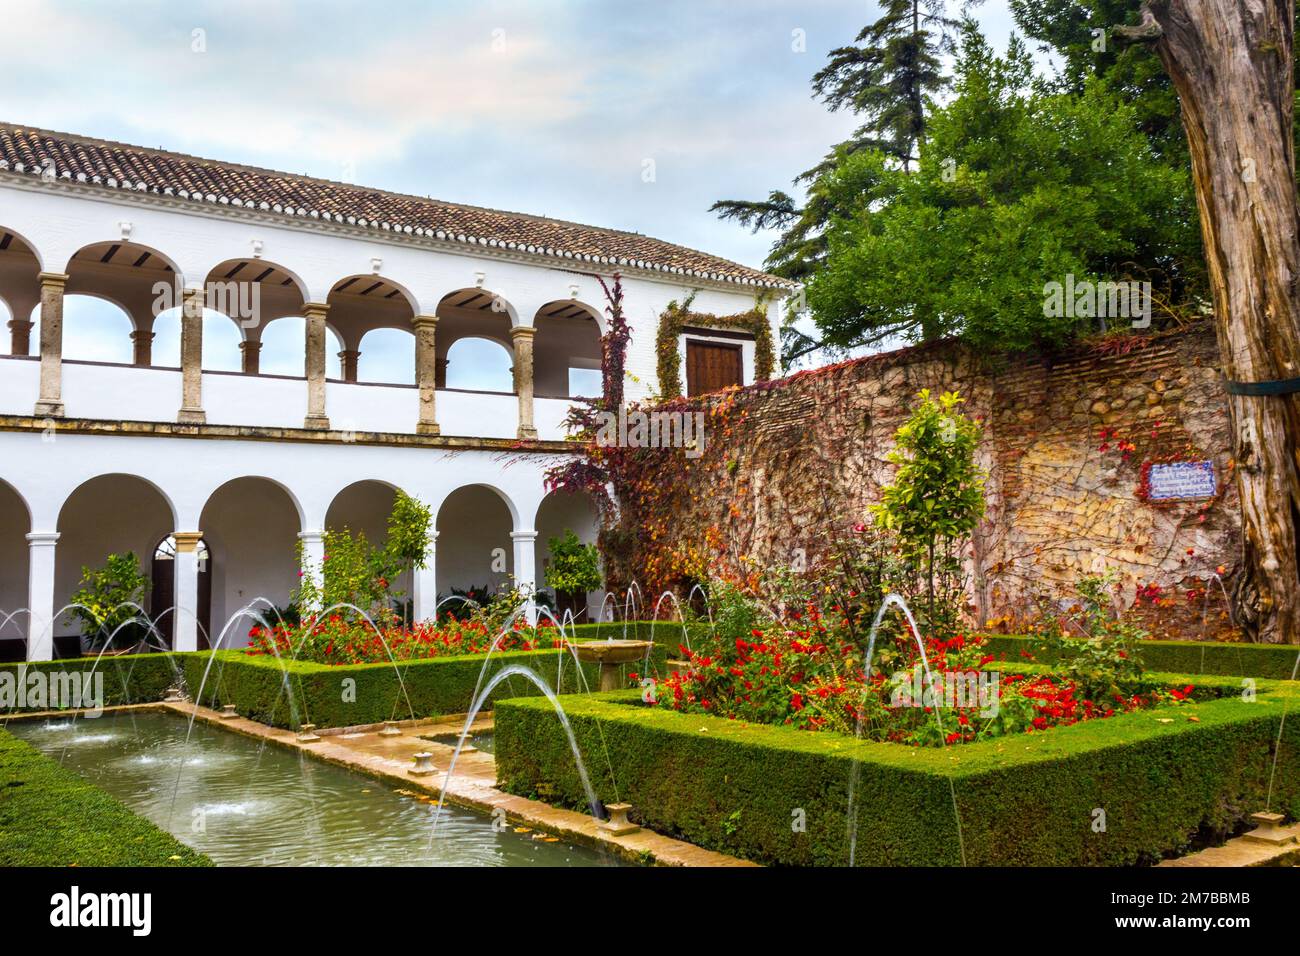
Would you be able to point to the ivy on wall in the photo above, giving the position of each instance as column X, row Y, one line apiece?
column 678, row 316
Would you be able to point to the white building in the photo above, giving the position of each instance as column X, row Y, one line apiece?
column 228, row 470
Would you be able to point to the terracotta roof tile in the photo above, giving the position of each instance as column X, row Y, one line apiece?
column 118, row 165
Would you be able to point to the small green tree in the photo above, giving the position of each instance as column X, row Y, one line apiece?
column 357, row 572
column 937, row 497
column 574, row 568
column 104, row 601
column 408, row 534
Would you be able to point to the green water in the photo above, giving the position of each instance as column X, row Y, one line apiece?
column 247, row 803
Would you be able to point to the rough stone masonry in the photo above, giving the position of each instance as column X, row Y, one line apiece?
column 1065, row 445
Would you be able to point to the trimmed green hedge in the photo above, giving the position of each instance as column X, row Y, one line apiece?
column 436, row 686
column 49, row 816
column 357, row 694
column 1027, row 800
column 1277, row 661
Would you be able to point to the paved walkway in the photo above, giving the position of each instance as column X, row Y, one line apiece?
column 473, row 785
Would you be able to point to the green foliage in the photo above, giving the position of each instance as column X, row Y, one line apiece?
column 1105, row 657
column 362, row 574
column 1028, row 801
column 109, row 597
column 49, row 816
column 937, row 497
column 1019, row 186
column 408, row 530
column 574, row 567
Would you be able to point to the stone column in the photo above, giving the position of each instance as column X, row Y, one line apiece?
column 522, row 337
column 349, row 359
column 525, row 569
column 315, row 365
column 191, row 412
column 425, row 600
column 313, row 557
column 251, row 350
column 142, row 347
column 50, row 403
column 40, row 595
column 20, row 336
column 185, row 615
column 426, row 373
column 440, row 373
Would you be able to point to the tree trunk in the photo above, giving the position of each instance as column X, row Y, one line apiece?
column 1230, row 62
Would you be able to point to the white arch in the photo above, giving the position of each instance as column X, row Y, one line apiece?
column 167, row 499
column 407, row 295
column 31, row 246
column 298, row 508
column 299, row 283
column 511, row 506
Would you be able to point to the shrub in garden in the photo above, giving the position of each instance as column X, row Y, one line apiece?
column 110, row 597
column 935, row 501
column 574, row 570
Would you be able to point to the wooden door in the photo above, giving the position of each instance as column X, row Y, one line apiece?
column 711, row 366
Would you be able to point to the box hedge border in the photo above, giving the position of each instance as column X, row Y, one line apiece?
column 1027, row 800
column 50, row 816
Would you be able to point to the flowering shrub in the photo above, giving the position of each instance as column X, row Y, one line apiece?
column 802, row 673
column 339, row 640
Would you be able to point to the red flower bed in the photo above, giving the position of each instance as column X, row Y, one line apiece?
column 338, row 640
column 799, row 675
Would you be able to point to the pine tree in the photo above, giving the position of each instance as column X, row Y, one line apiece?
column 888, row 79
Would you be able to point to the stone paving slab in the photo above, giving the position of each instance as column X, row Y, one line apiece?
column 1243, row 851
column 473, row 784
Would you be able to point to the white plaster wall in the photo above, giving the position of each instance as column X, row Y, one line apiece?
column 478, row 414
column 20, row 383
column 14, row 525
column 120, row 392
column 380, row 408
column 473, row 534
column 251, row 527
column 252, row 400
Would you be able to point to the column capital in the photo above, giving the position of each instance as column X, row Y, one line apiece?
column 53, row 279
column 522, row 331
column 311, row 537
column 187, row 541
column 526, row 535
column 250, row 345
column 424, row 321
column 21, row 324
column 315, row 308
column 142, row 335
column 43, row 539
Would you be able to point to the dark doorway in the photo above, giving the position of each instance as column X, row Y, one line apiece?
column 711, row 366
column 163, row 594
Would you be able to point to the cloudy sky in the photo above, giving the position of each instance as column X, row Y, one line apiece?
column 553, row 107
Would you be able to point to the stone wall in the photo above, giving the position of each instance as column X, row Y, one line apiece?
column 1065, row 444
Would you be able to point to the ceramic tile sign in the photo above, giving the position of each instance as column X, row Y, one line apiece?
column 1182, row 481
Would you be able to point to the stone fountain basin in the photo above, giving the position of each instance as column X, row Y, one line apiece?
column 612, row 652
